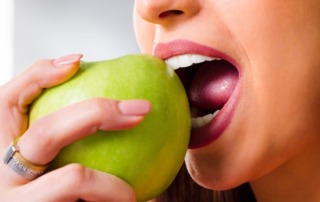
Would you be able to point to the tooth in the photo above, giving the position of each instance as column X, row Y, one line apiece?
column 209, row 58
column 173, row 62
column 198, row 122
column 202, row 121
column 207, row 119
column 185, row 60
column 195, row 123
column 215, row 113
column 198, row 58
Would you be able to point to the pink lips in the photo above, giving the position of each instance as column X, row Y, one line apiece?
column 180, row 47
column 203, row 136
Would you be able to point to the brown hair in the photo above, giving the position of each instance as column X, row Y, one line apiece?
column 184, row 189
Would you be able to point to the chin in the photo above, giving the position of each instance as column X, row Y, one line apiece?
column 212, row 175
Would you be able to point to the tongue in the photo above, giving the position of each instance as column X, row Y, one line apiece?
column 212, row 85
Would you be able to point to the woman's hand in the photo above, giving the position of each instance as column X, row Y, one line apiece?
column 42, row 141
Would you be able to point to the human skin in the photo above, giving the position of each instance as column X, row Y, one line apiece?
column 42, row 140
column 272, row 139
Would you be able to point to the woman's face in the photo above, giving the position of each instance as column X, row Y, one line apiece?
column 266, row 84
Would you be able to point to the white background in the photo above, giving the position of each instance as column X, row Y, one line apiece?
column 6, row 40
column 38, row 29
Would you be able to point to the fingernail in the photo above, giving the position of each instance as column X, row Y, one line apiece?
column 134, row 107
column 67, row 60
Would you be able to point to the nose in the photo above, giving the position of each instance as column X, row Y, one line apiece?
column 162, row 11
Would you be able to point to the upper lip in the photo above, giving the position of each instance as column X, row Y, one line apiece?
column 181, row 46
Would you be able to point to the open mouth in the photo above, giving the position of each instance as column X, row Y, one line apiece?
column 209, row 83
column 212, row 81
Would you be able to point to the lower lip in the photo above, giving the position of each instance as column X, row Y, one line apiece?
column 201, row 137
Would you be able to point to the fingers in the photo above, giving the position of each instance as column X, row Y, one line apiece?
column 78, row 183
column 46, row 136
column 17, row 94
column 22, row 90
column 43, row 140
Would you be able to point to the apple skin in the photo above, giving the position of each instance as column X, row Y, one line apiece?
column 147, row 156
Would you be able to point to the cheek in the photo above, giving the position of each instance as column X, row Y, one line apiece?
column 284, row 67
column 145, row 33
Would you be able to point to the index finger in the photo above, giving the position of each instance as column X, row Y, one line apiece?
column 27, row 86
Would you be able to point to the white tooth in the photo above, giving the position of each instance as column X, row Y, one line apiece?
column 185, row 60
column 198, row 122
column 215, row 113
column 170, row 70
column 173, row 62
column 198, row 58
column 207, row 119
column 194, row 123
column 202, row 121
column 209, row 58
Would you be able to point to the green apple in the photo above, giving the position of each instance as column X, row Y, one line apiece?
column 147, row 156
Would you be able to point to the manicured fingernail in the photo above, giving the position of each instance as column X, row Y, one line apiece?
column 134, row 107
column 67, row 60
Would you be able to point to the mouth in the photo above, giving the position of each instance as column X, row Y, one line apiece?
column 211, row 83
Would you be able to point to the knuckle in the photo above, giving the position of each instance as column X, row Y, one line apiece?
column 39, row 71
column 38, row 64
column 101, row 107
column 39, row 127
column 36, row 69
column 78, row 177
column 74, row 175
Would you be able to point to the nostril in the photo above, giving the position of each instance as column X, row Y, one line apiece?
column 170, row 13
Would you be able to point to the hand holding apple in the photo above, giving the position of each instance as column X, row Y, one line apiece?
column 148, row 156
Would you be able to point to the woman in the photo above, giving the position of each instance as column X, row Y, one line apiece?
column 267, row 132
column 261, row 82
